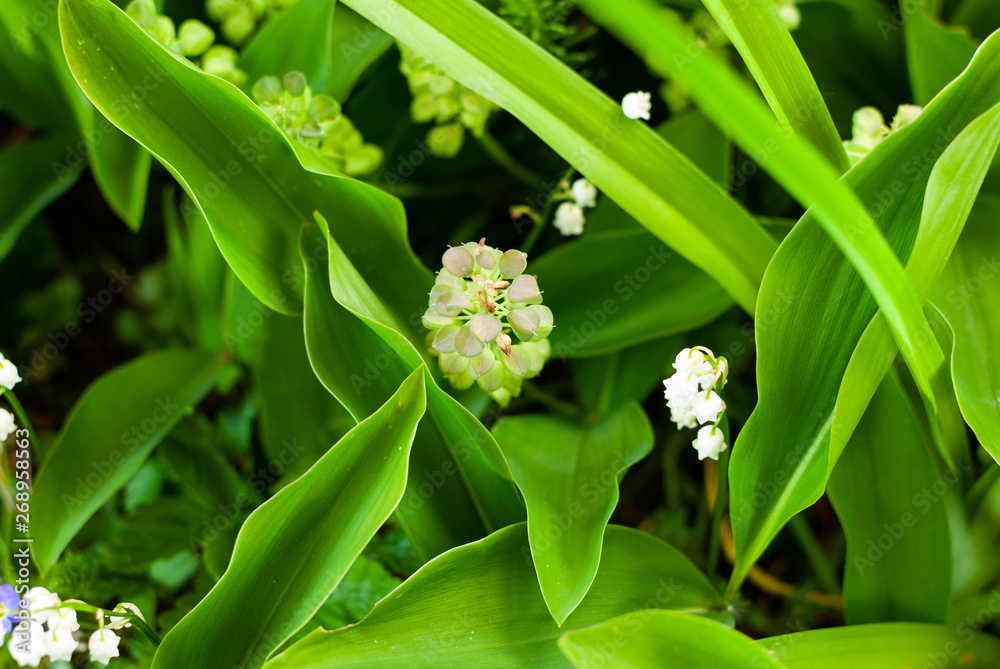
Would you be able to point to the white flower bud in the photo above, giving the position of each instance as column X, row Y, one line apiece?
column 688, row 362
column 709, row 442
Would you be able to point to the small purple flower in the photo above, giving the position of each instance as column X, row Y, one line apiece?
column 10, row 604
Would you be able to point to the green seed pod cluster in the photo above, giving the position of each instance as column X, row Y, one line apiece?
column 316, row 121
column 482, row 297
column 437, row 97
column 193, row 39
column 239, row 18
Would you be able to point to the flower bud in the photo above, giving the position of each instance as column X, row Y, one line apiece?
column 458, row 261
column 323, row 108
column 267, row 90
column 444, row 339
column 482, row 363
column 519, row 361
column 195, row 37
column 453, row 363
column 486, row 257
column 445, row 141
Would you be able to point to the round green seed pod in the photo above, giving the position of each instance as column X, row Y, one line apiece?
column 295, row 83
column 524, row 322
column 513, row 263
column 524, row 289
column 493, row 379
column 466, row 343
column 267, row 90
column 545, row 321
column 482, row 363
column 444, row 339
column 458, row 261
column 518, row 362
column 195, row 37
column 453, row 364
column 486, row 327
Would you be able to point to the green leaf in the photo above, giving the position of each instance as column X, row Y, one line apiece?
column 888, row 645
column 461, row 489
column 236, row 164
column 571, row 488
column 817, row 309
column 662, row 639
column 935, row 55
column 760, row 35
column 28, row 184
column 297, row 413
column 293, row 550
column 663, row 40
column 605, row 383
column 300, row 38
column 110, row 431
column 968, row 295
column 626, row 160
column 605, row 301
column 479, row 606
column 898, row 566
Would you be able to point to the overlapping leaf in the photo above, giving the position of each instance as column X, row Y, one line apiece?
column 479, row 605
column 293, row 550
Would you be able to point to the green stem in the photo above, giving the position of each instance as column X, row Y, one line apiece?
column 136, row 621
column 818, row 560
column 721, row 498
column 22, row 417
column 501, row 157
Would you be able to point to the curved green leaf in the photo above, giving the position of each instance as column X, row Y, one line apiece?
column 662, row 640
column 968, row 295
column 28, row 184
column 293, row 550
column 898, row 566
column 299, row 38
column 235, row 163
column 760, row 35
column 934, row 54
column 479, row 606
column 663, row 41
column 570, row 488
column 460, row 489
column 110, row 431
column 888, row 645
column 818, row 308
column 625, row 159
column 641, row 291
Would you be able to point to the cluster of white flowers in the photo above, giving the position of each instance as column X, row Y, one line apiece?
column 789, row 13
column 569, row 218
column 637, row 105
column 51, row 632
column 8, row 379
column 693, row 400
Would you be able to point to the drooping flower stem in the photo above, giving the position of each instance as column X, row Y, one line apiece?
column 22, row 417
column 720, row 471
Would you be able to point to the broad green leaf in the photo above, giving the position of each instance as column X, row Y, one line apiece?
column 293, row 551
column 296, row 412
column 968, row 295
column 662, row 40
column 460, row 488
column 818, row 309
column 951, row 191
column 662, row 640
column 236, row 164
column 760, row 35
column 898, row 566
column 625, row 159
column 606, row 301
column 110, row 431
column 479, row 606
column 299, row 38
column 29, row 89
column 569, row 474
column 28, row 184
column 886, row 645
column 934, row 54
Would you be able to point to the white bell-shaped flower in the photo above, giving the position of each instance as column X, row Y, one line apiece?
column 569, row 219
column 103, row 646
column 689, row 362
column 8, row 373
column 708, row 407
column 28, row 647
column 44, row 604
column 637, row 105
column 584, row 193
column 6, row 424
column 709, row 442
